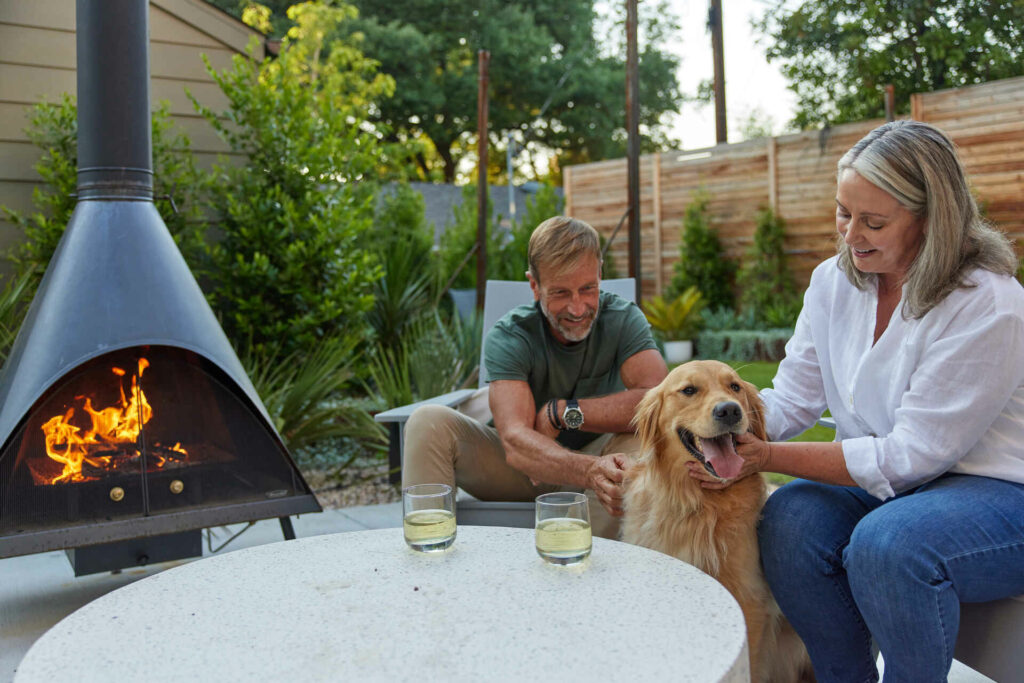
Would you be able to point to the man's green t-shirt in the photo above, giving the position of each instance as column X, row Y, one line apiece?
column 520, row 346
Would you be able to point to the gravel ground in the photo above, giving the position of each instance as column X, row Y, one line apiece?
column 367, row 485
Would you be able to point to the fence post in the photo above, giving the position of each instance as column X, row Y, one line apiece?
column 773, row 175
column 656, row 213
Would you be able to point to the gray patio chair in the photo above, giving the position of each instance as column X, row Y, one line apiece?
column 501, row 297
column 991, row 638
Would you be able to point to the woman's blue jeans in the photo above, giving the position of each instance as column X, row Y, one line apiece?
column 846, row 567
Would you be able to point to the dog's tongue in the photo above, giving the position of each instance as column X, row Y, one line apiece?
column 722, row 456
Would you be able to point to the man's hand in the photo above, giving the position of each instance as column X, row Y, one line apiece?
column 755, row 453
column 605, row 477
column 542, row 423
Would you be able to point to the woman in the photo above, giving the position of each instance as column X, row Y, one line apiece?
column 913, row 337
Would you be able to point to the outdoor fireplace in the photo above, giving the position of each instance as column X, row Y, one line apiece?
column 127, row 422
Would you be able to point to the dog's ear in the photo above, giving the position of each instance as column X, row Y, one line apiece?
column 756, row 408
column 647, row 416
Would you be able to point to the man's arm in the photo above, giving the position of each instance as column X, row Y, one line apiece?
column 535, row 454
column 529, row 438
column 613, row 413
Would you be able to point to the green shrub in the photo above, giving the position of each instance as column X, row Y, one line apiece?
column 743, row 345
column 702, row 262
column 305, row 392
column 765, row 284
column 676, row 319
column 292, row 264
column 403, row 243
column 54, row 130
column 507, row 248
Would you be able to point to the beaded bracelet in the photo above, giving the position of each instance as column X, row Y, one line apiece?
column 552, row 415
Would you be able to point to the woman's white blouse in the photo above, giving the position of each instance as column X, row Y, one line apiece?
column 942, row 393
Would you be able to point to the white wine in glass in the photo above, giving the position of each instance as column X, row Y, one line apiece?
column 428, row 518
column 563, row 527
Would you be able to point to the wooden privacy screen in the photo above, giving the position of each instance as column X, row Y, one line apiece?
column 795, row 174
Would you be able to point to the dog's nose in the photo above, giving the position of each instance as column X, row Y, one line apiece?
column 728, row 412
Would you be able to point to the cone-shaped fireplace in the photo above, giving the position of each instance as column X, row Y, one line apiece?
column 124, row 411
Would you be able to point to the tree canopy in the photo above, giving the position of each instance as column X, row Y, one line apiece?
column 557, row 74
column 838, row 55
column 553, row 80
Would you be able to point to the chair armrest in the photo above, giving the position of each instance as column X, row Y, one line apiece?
column 402, row 413
column 396, row 418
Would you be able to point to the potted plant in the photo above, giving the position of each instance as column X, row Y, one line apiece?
column 676, row 322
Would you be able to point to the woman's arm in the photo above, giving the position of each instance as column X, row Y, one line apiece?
column 815, row 460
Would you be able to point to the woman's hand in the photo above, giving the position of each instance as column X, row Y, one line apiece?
column 755, row 453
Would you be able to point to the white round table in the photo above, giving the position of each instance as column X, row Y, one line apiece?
column 363, row 606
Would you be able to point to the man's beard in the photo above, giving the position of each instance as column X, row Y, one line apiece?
column 570, row 334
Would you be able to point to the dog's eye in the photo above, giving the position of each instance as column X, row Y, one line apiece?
column 690, row 391
column 734, row 386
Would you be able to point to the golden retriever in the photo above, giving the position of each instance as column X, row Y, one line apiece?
column 692, row 416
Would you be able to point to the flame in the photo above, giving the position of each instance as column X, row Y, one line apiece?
column 114, row 428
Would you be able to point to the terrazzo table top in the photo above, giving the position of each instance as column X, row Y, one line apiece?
column 363, row 606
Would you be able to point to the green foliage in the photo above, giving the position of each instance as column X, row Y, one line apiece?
column 13, row 306
column 553, row 81
column 1020, row 273
column 304, row 393
column 743, row 345
column 292, row 264
column 403, row 242
column 838, row 55
column 764, row 281
column 723, row 318
column 702, row 262
column 435, row 355
column 507, row 248
column 675, row 319
column 54, row 130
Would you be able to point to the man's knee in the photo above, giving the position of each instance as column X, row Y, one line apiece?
column 431, row 420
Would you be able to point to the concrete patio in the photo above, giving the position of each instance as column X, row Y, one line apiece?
column 37, row 591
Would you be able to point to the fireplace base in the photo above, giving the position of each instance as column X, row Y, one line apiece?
column 137, row 552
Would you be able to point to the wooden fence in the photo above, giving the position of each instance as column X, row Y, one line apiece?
column 796, row 175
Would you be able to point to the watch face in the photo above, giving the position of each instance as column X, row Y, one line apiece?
column 573, row 417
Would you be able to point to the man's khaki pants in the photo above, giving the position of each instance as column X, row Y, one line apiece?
column 444, row 446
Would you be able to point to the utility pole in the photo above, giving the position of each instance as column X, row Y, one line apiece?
column 633, row 144
column 715, row 24
column 483, row 62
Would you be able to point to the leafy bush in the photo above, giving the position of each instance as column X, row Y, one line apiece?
column 764, row 281
column 507, row 249
column 743, row 345
column 304, row 393
column 403, row 243
column 292, row 264
column 675, row 319
column 723, row 318
column 436, row 355
column 54, row 130
column 702, row 262
column 13, row 306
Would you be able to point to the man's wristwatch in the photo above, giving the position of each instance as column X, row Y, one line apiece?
column 572, row 417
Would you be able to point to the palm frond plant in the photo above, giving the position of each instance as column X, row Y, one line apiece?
column 305, row 393
column 13, row 306
column 675, row 319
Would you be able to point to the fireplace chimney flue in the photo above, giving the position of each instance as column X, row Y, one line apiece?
column 115, row 159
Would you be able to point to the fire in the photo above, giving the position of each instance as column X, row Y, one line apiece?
column 114, row 433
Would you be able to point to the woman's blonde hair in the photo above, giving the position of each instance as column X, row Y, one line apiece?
column 917, row 164
column 558, row 243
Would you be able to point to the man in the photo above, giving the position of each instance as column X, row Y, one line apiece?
column 565, row 376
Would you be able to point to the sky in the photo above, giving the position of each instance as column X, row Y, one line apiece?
column 751, row 83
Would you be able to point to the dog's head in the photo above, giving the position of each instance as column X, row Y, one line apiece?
column 695, row 413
